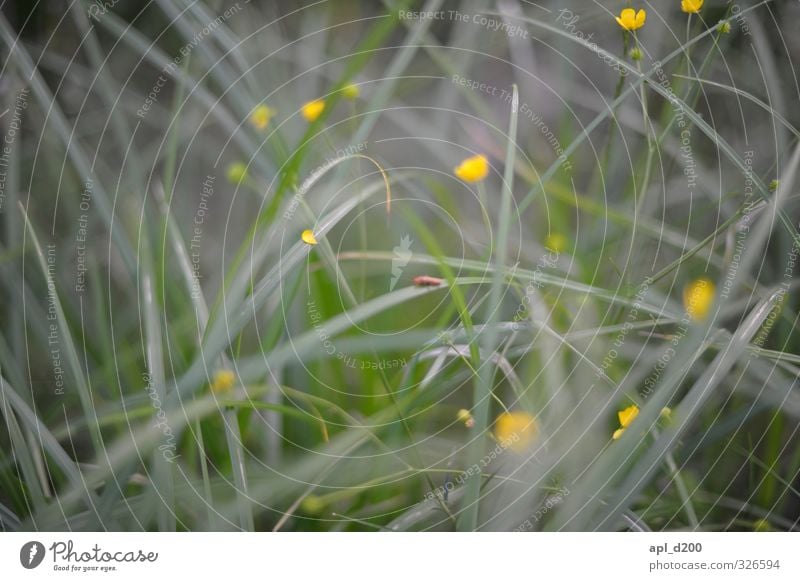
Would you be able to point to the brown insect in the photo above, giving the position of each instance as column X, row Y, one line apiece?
column 425, row 280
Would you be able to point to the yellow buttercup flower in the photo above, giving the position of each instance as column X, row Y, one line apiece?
column 308, row 237
column 237, row 173
column 350, row 91
column 630, row 19
column 261, row 116
column 223, row 381
column 698, row 298
column 691, row 6
column 556, row 242
column 625, row 416
column 473, row 169
column 313, row 109
column 517, row 430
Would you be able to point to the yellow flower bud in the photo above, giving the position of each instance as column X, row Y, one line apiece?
column 224, row 380
column 260, row 117
column 313, row 109
column 556, row 242
column 465, row 417
column 237, row 173
column 350, row 91
column 698, row 298
column 313, row 504
column 308, row 237
column 762, row 526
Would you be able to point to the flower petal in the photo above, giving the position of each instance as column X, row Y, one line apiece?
column 627, row 415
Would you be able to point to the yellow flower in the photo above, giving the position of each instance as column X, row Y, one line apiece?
column 313, row 109
column 465, row 417
column 698, row 298
column 691, row 6
column 473, row 169
column 556, row 242
column 665, row 414
column 261, row 116
column 223, row 381
column 629, row 19
column 625, row 416
column 517, row 430
column 308, row 237
column 237, row 173
column 350, row 91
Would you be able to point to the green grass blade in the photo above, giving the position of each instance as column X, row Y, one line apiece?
column 484, row 385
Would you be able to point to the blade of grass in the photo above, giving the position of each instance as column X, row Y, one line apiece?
column 81, row 384
column 233, row 439
column 484, row 385
column 163, row 484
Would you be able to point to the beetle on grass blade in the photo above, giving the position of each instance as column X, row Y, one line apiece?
column 425, row 280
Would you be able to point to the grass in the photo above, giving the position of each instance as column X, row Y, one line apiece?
column 347, row 411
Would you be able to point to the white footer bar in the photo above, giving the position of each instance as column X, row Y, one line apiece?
column 414, row 556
